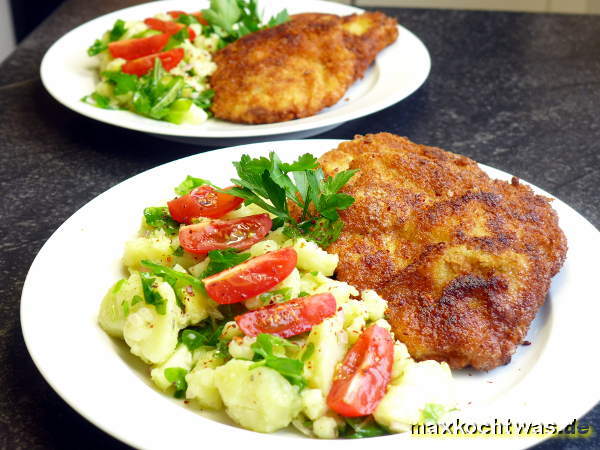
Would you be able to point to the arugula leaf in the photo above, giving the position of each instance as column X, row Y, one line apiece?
column 118, row 30
column 289, row 368
column 123, row 82
column 221, row 260
column 156, row 91
column 159, row 217
column 178, row 251
column 204, row 99
column 97, row 47
column 206, row 336
column 362, row 427
column 98, row 100
column 172, row 276
column 189, row 184
column 151, row 297
column 176, row 375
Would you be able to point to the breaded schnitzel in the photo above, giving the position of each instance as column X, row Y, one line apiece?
column 298, row 68
column 464, row 261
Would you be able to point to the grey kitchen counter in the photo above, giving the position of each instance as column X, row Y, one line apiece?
column 519, row 92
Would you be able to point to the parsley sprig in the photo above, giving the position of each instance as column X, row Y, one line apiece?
column 232, row 19
column 274, row 185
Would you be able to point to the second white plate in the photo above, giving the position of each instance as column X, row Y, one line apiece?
column 68, row 73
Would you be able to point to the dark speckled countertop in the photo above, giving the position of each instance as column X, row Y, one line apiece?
column 520, row 92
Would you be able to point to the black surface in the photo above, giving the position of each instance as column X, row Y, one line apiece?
column 520, row 92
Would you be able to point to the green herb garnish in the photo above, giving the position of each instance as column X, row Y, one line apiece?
column 273, row 185
column 290, row 369
column 206, row 336
column 221, row 260
column 176, row 375
column 232, row 19
column 123, row 82
column 159, row 217
column 362, row 427
column 189, row 184
column 278, row 296
column 117, row 31
column 172, row 276
column 151, row 297
column 432, row 413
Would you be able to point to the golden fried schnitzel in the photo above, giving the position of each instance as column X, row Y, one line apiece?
column 464, row 261
column 298, row 68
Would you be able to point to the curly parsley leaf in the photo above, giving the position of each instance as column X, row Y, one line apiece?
column 289, row 368
column 159, row 217
column 176, row 375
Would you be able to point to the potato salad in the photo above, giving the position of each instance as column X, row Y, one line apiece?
column 159, row 67
column 231, row 299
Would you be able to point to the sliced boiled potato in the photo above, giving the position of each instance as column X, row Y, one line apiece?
column 155, row 247
column 421, row 383
column 330, row 343
column 202, row 388
column 258, row 399
column 150, row 335
column 118, row 304
column 181, row 358
column 312, row 258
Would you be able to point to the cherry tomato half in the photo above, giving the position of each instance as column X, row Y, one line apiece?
column 142, row 66
column 240, row 234
column 289, row 318
column 197, row 15
column 361, row 380
column 168, row 27
column 130, row 49
column 203, row 201
column 253, row 277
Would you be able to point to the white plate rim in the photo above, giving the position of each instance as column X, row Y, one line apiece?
column 564, row 339
column 419, row 71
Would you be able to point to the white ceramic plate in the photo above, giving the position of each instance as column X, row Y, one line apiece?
column 69, row 74
column 553, row 380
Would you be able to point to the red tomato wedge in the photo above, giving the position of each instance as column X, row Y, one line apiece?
column 253, row 277
column 130, row 49
column 289, row 318
column 168, row 27
column 142, row 66
column 240, row 234
column 203, row 201
column 361, row 380
column 197, row 15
